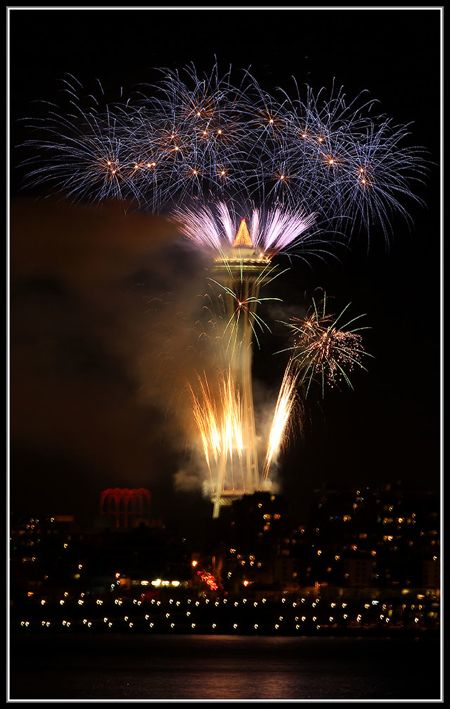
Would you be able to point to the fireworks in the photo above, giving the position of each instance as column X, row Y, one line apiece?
column 216, row 227
column 208, row 138
column 220, row 419
column 245, row 175
column 244, row 308
column 325, row 347
column 281, row 417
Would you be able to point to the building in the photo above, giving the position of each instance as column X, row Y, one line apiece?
column 125, row 507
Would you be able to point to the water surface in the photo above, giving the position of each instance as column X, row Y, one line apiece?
column 223, row 667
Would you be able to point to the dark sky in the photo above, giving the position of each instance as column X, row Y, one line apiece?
column 91, row 292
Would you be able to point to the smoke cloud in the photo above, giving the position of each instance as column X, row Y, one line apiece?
column 103, row 341
column 113, row 317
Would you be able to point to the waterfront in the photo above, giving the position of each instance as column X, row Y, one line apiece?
column 117, row 666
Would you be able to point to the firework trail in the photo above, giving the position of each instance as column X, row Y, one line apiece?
column 244, row 307
column 286, row 402
column 325, row 347
column 220, row 419
column 215, row 227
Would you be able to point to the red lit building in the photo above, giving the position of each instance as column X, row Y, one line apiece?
column 125, row 507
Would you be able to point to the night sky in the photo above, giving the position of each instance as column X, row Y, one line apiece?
column 96, row 295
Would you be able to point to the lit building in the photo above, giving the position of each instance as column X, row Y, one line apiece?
column 375, row 536
column 125, row 507
column 254, row 532
column 240, row 271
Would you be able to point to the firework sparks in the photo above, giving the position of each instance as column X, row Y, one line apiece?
column 282, row 417
column 326, row 347
column 244, row 307
column 271, row 231
column 192, row 137
column 219, row 421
